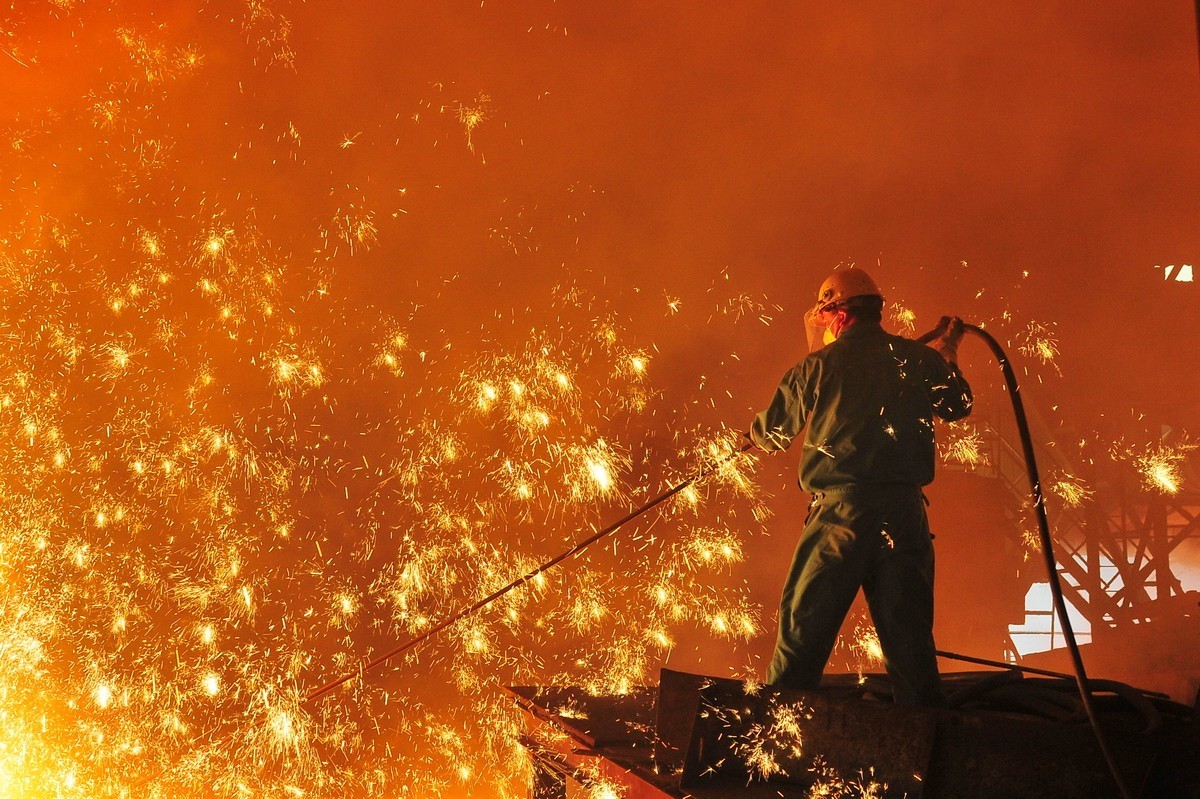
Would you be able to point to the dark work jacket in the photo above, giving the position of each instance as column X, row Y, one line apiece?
column 866, row 404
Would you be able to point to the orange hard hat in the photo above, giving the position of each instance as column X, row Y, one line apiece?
column 843, row 285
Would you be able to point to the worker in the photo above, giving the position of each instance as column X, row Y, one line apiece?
column 865, row 402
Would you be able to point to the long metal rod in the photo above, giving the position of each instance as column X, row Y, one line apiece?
column 372, row 663
column 999, row 664
column 1039, row 507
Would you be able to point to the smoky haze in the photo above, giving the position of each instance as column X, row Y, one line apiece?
column 497, row 192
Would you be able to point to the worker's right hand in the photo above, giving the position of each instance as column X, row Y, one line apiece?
column 946, row 343
column 928, row 338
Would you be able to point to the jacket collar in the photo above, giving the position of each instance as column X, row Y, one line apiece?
column 861, row 329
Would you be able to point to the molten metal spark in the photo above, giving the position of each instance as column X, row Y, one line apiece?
column 1159, row 467
column 904, row 318
column 1038, row 341
column 773, row 748
column 1071, row 489
column 227, row 483
column 964, row 445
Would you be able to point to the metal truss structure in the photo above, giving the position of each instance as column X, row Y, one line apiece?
column 1114, row 544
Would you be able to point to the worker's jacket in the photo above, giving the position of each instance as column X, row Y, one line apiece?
column 866, row 404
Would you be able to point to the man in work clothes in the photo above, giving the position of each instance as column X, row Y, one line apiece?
column 865, row 402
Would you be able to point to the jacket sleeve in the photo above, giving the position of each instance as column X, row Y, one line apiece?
column 777, row 426
column 948, row 390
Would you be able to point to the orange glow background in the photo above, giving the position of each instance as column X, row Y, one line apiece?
column 689, row 171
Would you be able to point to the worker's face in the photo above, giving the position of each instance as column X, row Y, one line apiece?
column 835, row 323
column 823, row 327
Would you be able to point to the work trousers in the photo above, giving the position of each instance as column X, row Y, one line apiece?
column 876, row 537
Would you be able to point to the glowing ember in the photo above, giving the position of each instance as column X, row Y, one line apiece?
column 867, row 651
column 227, row 483
column 263, row 423
column 963, row 444
column 1038, row 341
column 904, row 319
column 768, row 749
column 1160, row 466
column 1071, row 489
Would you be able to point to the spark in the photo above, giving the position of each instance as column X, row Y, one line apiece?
column 214, row 245
column 1031, row 542
column 472, row 115
column 600, row 473
column 150, row 244
column 605, row 789
column 227, row 480
column 964, row 445
column 593, row 469
column 768, row 748
column 662, row 638
column 904, row 318
column 705, row 547
column 1159, row 466
column 867, row 649
column 356, row 227
column 487, row 396
column 1038, row 341
column 1071, row 489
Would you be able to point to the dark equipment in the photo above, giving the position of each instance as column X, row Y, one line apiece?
column 1007, row 735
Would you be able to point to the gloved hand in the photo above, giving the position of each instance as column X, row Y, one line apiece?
column 927, row 338
column 950, row 332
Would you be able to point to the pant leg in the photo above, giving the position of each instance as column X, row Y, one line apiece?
column 899, row 589
column 824, row 578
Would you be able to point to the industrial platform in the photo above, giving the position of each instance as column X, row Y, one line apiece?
column 1007, row 735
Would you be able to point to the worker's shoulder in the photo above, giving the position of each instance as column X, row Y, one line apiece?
column 805, row 367
column 908, row 346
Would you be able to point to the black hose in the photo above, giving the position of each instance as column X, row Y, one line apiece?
column 1039, row 507
column 1198, row 25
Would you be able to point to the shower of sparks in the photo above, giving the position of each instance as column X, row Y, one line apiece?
column 605, row 789
column 769, row 743
column 963, row 444
column 708, row 547
column 472, row 115
column 1031, row 543
column 905, row 319
column 771, row 748
column 1038, row 341
column 866, row 649
column 1072, row 490
column 1160, row 466
column 866, row 645
column 356, row 227
column 226, row 483
column 832, row 785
